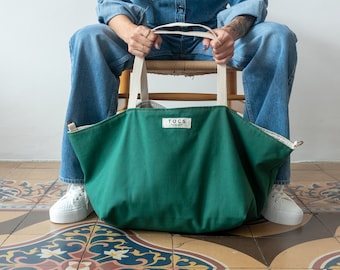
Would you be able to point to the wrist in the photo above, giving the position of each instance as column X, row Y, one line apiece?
column 122, row 26
column 229, row 29
column 239, row 26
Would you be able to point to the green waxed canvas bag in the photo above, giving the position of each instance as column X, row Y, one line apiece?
column 188, row 170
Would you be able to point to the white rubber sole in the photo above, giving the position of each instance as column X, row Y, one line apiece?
column 73, row 216
column 283, row 218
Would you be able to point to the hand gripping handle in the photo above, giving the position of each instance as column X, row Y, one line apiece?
column 139, row 74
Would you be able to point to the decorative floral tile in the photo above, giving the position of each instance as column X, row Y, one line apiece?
column 97, row 246
column 24, row 195
column 319, row 196
column 26, row 244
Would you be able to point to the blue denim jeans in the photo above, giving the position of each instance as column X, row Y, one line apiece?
column 267, row 55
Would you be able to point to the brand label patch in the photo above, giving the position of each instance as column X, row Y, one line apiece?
column 176, row 122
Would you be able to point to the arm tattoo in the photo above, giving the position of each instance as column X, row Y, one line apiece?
column 239, row 26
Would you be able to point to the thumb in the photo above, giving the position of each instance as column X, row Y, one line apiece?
column 158, row 42
column 206, row 43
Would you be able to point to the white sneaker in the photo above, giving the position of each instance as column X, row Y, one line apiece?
column 72, row 207
column 281, row 209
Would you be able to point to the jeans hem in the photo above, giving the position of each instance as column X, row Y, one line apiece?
column 71, row 180
column 282, row 182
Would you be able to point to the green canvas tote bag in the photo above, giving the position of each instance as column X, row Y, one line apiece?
column 187, row 170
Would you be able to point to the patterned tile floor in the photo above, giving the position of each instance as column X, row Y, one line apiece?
column 29, row 241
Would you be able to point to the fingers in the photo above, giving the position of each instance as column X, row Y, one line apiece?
column 142, row 40
column 206, row 43
column 158, row 42
column 222, row 47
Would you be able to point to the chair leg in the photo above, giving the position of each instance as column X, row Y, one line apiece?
column 124, row 88
column 231, row 84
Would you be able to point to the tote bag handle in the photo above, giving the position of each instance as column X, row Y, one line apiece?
column 139, row 73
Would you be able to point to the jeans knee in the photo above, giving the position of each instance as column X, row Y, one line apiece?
column 285, row 41
column 89, row 35
column 278, row 33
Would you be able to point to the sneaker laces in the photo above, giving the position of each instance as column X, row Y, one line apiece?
column 75, row 192
column 278, row 195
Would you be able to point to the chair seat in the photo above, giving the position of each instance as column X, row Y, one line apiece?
column 185, row 68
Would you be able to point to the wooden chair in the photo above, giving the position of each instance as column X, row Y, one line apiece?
column 186, row 68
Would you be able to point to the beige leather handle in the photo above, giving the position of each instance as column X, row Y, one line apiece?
column 139, row 73
column 208, row 34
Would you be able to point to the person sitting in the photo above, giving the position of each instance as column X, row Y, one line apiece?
column 264, row 51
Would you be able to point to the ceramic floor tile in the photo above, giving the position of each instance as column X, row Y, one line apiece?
column 331, row 221
column 318, row 196
column 10, row 220
column 267, row 229
column 27, row 235
column 14, row 254
column 18, row 241
column 39, row 165
column 334, row 173
column 319, row 254
column 326, row 166
column 56, row 250
column 216, row 252
column 28, row 174
column 6, row 168
column 111, row 248
column 242, row 230
column 22, row 195
column 162, row 239
column 29, row 171
column 305, row 166
column 9, row 164
column 25, row 195
column 37, row 223
column 306, row 176
column 273, row 245
column 242, row 246
column 3, row 238
column 52, row 193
